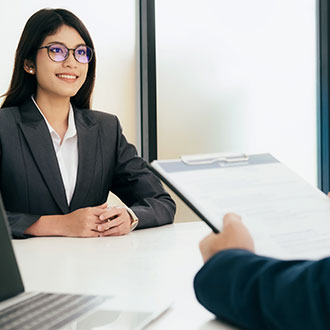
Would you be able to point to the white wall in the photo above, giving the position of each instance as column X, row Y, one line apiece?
column 238, row 75
column 113, row 27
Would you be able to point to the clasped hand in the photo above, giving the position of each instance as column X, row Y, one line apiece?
column 98, row 221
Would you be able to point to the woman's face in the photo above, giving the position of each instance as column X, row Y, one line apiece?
column 60, row 79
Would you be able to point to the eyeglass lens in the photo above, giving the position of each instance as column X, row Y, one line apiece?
column 59, row 53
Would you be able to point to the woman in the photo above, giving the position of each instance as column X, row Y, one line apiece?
column 59, row 160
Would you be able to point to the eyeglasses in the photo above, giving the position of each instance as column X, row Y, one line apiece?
column 59, row 53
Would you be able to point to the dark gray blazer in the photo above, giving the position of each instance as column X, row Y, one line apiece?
column 31, row 182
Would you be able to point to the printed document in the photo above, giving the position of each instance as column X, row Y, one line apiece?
column 287, row 217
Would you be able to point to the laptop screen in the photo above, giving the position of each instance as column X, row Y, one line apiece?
column 10, row 279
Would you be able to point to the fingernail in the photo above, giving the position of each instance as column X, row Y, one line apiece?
column 102, row 217
column 99, row 228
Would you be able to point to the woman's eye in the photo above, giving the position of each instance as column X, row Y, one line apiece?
column 81, row 51
column 56, row 50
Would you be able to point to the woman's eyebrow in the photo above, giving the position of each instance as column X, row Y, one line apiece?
column 62, row 43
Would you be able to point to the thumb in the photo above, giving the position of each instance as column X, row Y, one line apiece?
column 103, row 206
column 231, row 217
column 99, row 209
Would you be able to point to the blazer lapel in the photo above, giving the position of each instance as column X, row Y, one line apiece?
column 40, row 143
column 87, row 131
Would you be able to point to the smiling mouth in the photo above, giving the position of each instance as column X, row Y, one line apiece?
column 67, row 76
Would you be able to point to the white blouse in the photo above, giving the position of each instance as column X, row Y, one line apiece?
column 66, row 152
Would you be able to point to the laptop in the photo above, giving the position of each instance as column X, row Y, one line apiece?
column 22, row 310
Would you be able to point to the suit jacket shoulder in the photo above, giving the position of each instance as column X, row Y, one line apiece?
column 96, row 116
column 9, row 116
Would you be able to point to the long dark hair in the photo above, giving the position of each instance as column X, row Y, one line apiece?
column 43, row 23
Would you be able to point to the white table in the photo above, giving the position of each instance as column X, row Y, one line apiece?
column 158, row 263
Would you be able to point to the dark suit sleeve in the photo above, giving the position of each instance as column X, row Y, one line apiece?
column 19, row 222
column 256, row 292
column 139, row 188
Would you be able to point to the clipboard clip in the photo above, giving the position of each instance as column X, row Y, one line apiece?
column 215, row 158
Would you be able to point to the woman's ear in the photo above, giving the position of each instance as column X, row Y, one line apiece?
column 29, row 67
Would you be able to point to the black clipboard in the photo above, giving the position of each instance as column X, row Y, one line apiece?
column 183, row 198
